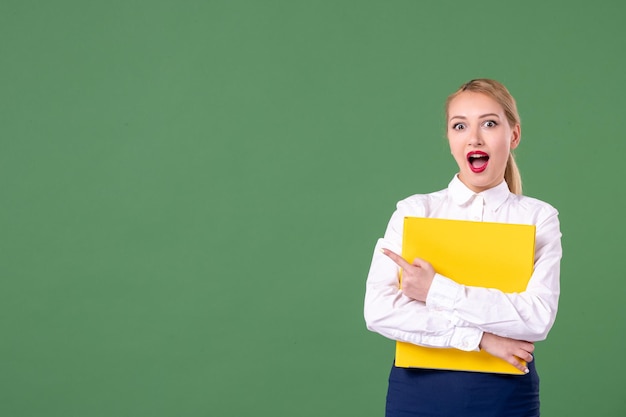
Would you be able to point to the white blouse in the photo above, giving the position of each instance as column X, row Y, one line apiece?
column 456, row 315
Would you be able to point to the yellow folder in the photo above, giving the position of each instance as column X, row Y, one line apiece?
column 482, row 254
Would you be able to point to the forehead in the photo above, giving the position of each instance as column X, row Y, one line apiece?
column 468, row 104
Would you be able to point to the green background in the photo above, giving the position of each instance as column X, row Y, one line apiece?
column 191, row 192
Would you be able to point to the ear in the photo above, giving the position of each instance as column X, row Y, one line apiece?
column 516, row 136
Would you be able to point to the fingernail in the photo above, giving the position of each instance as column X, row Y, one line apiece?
column 383, row 250
column 526, row 370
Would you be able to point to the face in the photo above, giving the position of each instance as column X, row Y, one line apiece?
column 480, row 139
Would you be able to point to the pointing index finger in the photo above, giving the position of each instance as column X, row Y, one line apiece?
column 399, row 260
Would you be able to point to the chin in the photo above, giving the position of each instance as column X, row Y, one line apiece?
column 477, row 186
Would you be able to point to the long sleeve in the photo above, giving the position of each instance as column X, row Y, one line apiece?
column 456, row 315
column 528, row 315
column 394, row 315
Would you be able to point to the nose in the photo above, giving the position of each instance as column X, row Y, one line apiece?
column 475, row 137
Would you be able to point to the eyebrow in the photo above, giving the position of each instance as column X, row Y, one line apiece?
column 480, row 117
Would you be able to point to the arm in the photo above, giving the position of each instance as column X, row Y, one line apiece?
column 524, row 316
column 390, row 312
column 419, row 275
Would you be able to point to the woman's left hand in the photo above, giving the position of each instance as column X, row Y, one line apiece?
column 416, row 277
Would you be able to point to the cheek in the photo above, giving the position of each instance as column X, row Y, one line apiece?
column 458, row 155
column 457, row 150
column 505, row 149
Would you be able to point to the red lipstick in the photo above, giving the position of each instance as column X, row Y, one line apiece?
column 477, row 160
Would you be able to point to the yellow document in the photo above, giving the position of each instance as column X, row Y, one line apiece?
column 481, row 254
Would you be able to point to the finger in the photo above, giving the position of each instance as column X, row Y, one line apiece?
column 524, row 355
column 419, row 262
column 515, row 361
column 399, row 260
column 422, row 263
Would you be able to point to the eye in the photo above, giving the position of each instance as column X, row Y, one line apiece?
column 490, row 123
column 458, row 126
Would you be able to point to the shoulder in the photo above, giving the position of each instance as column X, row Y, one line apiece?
column 422, row 204
column 532, row 207
column 532, row 203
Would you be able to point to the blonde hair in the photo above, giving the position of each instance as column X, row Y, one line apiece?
column 499, row 93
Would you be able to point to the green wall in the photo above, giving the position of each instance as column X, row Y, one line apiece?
column 191, row 191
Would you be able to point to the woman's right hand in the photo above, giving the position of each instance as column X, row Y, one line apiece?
column 511, row 350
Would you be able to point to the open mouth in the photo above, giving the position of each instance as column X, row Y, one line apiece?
column 478, row 161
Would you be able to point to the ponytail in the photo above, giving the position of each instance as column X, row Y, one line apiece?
column 512, row 175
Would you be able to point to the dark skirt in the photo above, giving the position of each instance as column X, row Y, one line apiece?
column 435, row 393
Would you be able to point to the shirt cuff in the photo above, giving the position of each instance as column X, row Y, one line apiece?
column 443, row 293
column 466, row 338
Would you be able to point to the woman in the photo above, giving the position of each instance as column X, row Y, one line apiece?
column 483, row 128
